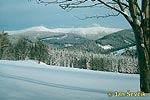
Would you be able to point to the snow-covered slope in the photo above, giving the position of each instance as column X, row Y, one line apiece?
column 27, row 80
column 121, row 51
column 118, row 40
column 32, row 29
column 86, row 32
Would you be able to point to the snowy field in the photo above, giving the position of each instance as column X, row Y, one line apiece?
column 28, row 80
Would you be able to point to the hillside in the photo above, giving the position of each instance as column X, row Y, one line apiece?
column 76, row 38
column 65, row 40
column 117, row 40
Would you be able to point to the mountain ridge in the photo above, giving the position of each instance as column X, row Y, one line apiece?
column 92, row 33
column 106, row 44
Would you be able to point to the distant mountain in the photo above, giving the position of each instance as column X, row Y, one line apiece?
column 33, row 35
column 116, row 41
column 65, row 38
column 92, row 33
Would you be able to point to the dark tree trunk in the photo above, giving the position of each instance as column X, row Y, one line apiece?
column 142, row 36
column 143, row 48
column 144, row 64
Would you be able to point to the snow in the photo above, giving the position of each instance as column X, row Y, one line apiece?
column 80, row 31
column 123, row 50
column 50, row 38
column 57, row 38
column 139, row 22
column 143, row 45
column 68, row 45
column 105, row 46
column 84, row 31
column 125, row 12
column 35, row 28
column 127, row 41
column 28, row 80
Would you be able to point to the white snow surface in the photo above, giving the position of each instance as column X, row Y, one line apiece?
column 105, row 46
column 58, row 38
column 28, row 80
column 81, row 31
column 123, row 50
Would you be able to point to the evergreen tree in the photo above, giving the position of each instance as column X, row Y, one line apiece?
column 21, row 49
column 4, row 43
column 39, row 51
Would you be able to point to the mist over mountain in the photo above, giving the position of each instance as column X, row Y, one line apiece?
column 93, row 33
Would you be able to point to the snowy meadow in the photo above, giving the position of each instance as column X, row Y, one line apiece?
column 28, row 80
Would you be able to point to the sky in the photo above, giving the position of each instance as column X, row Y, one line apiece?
column 20, row 14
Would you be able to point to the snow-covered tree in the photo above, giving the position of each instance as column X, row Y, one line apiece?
column 21, row 49
column 39, row 51
column 4, row 43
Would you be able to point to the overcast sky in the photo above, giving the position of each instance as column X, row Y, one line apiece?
column 20, row 14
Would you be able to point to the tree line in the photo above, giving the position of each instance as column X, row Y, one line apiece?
column 24, row 49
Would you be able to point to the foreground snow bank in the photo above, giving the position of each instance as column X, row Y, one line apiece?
column 28, row 80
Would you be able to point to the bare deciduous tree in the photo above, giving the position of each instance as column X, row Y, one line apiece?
column 136, row 12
